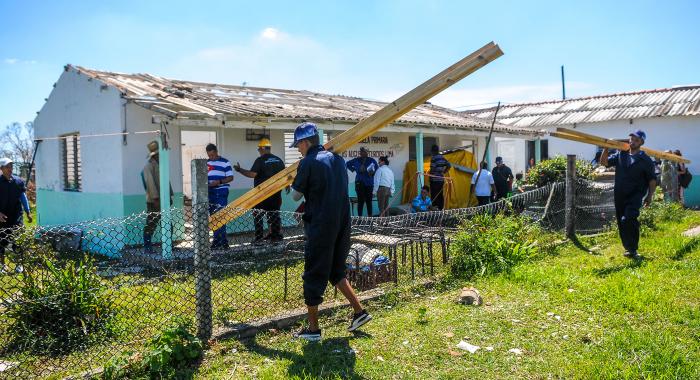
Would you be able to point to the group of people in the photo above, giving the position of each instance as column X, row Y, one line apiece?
column 493, row 185
column 674, row 178
column 432, row 197
column 219, row 177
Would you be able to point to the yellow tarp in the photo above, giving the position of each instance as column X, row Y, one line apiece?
column 457, row 193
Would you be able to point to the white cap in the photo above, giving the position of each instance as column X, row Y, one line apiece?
column 4, row 162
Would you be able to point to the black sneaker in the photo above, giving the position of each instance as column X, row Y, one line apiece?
column 311, row 336
column 359, row 319
column 631, row 254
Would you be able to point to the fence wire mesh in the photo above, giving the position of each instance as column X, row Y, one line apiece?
column 73, row 296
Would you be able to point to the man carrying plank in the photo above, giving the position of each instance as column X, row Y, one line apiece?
column 322, row 180
column 635, row 182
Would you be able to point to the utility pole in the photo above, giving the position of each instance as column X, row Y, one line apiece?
column 563, row 87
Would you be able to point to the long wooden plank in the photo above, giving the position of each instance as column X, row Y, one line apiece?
column 596, row 140
column 363, row 129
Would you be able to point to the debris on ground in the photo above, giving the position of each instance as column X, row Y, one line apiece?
column 470, row 296
column 5, row 366
column 468, row 347
column 695, row 231
column 516, row 351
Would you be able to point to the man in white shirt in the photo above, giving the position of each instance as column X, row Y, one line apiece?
column 485, row 185
column 383, row 184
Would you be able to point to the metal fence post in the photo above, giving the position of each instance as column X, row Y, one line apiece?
column 202, row 272
column 570, row 200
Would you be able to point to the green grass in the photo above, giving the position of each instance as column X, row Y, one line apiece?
column 578, row 314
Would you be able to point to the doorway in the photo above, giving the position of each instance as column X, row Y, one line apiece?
column 194, row 145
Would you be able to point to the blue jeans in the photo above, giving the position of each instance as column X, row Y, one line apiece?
column 218, row 200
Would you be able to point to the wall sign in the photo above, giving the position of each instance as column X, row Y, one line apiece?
column 376, row 146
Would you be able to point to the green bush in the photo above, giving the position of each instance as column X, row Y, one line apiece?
column 169, row 355
column 489, row 244
column 58, row 308
column 554, row 170
column 660, row 212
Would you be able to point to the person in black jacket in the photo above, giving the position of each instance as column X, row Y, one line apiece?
column 12, row 189
column 635, row 183
column 502, row 178
column 322, row 180
column 264, row 167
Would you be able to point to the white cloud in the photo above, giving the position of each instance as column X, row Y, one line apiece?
column 13, row 61
column 270, row 58
column 270, row 33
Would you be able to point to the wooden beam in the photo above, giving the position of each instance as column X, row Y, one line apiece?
column 569, row 134
column 363, row 129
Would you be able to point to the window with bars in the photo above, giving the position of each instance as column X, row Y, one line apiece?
column 70, row 159
column 292, row 155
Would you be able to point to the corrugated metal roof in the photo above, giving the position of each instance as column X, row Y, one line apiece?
column 179, row 98
column 665, row 102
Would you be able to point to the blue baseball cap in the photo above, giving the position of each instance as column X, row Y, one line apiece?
column 304, row 131
column 499, row 159
column 639, row 133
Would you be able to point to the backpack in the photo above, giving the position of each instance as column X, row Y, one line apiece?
column 684, row 179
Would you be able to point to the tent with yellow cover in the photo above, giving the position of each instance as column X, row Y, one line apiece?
column 457, row 191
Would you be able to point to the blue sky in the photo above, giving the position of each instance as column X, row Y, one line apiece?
column 374, row 49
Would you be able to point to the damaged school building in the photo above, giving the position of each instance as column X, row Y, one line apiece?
column 95, row 125
column 669, row 116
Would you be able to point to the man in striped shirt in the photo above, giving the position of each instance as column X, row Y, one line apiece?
column 220, row 173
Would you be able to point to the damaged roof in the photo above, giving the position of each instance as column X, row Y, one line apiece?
column 664, row 102
column 186, row 99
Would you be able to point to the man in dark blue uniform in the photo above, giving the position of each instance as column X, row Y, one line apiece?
column 635, row 183
column 322, row 180
column 11, row 190
column 364, row 167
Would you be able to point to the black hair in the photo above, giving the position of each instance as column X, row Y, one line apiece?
column 211, row 148
column 435, row 149
column 484, row 165
column 426, row 188
column 313, row 140
column 519, row 176
column 385, row 159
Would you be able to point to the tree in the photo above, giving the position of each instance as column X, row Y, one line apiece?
column 17, row 142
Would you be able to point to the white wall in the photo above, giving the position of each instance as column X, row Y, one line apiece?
column 135, row 152
column 78, row 104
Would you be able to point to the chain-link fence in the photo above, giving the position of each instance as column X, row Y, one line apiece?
column 73, row 296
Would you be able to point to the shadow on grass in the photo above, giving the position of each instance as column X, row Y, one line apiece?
column 330, row 358
column 633, row 263
column 688, row 247
column 579, row 244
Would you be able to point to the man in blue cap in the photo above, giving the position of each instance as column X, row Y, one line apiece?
column 635, row 183
column 322, row 180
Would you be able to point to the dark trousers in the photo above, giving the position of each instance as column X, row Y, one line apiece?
column 217, row 201
column 437, row 195
column 627, row 215
column 326, row 250
column 152, row 218
column 7, row 238
column 500, row 195
column 364, row 197
column 269, row 208
column 483, row 200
